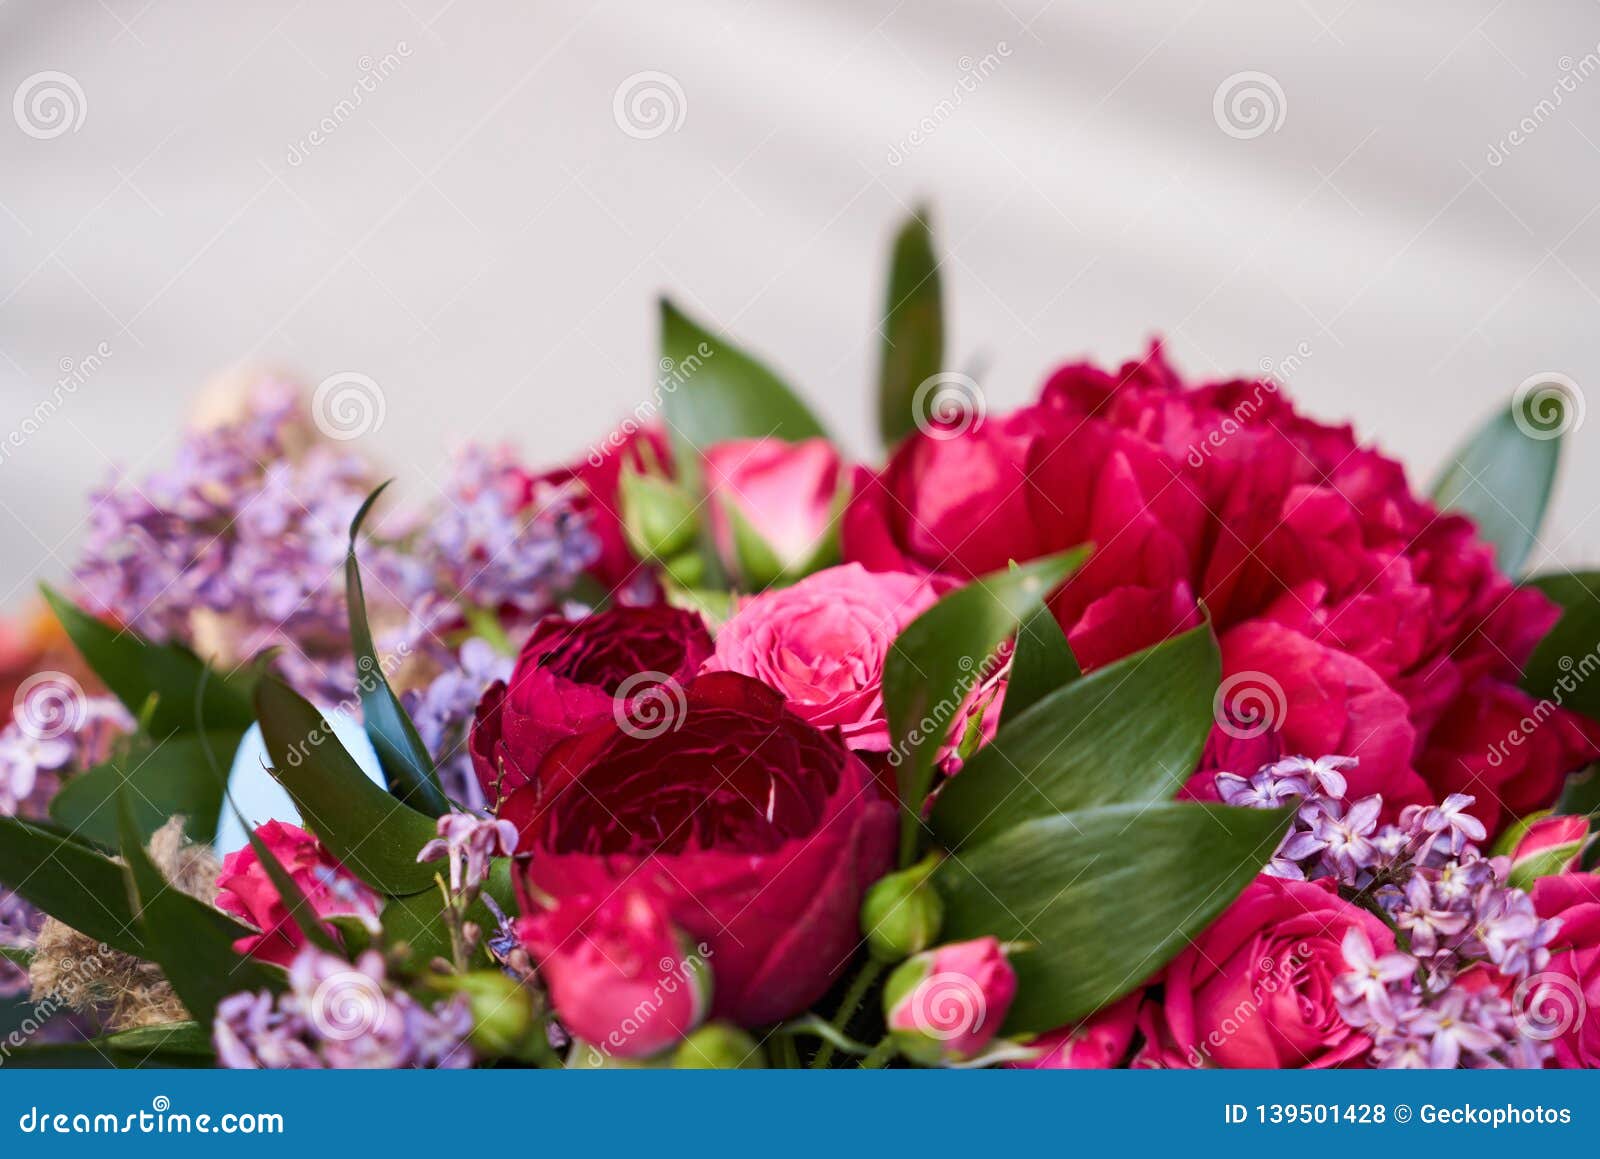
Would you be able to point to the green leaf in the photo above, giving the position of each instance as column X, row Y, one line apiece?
column 941, row 657
column 718, row 392
column 1581, row 793
column 163, row 777
column 188, row 939
column 1502, row 475
column 375, row 836
column 407, row 764
column 1566, row 661
column 174, row 1044
column 1041, row 663
column 1104, row 897
column 913, row 328
column 187, row 698
column 1131, row 731
column 70, row 882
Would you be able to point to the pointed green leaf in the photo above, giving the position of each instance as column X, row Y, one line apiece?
column 188, row 939
column 407, row 764
column 941, row 657
column 1566, row 662
column 375, row 836
column 1502, row 475
column 1041, row 663
column 1104, row 897
column 714, row 392
column 175, row 1044
column 913, row 328
column 186, row 700
column 163, row 777
column 1131, row 731
column 69, row 882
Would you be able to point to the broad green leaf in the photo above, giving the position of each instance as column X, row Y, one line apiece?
column 941, row 657
column 1131, row 731
column 1104, row 897
column 175, row 1044
column 1565, row 664
column 913, row 328
column 187, row 698
column 1041, row 663
column 163, row 777
column 1501, row 476
column 714, row 392
column 69, row 881
column 407, row 764
column 375, row 836
column 1581, row 793
column 191, row 941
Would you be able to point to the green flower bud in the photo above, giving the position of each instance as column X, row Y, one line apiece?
column 657, row 515
column 718, row 1046
column 902, row 913
column 505, row 1017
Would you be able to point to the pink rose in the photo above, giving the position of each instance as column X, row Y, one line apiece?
column 245, row 891
column 1255, row 989
column 786, row 493
column 947, row 1004
column 1099, row 1042
column 567, row 680
column 759, row 832
column 1563, row 1006
column 622, row 978
column 1550, row 845
column 822, row 643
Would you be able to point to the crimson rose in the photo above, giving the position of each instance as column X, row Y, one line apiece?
column 570, row 676
column 759, row 833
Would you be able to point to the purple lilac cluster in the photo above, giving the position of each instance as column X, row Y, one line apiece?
column 1466, row 939
column 34, row 761
column 442, row 712
column 338, row 1015
column 240, row 546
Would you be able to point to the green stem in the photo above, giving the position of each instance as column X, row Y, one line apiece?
column 847, row 1009
column 880, row 1055
column 485, row 623
column 784, row 1052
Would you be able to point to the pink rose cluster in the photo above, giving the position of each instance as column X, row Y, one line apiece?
column 1353, row 616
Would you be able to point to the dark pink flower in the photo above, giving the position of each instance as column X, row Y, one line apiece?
column 1561, row 1005
column 946, row 1004
column 1099, row 1042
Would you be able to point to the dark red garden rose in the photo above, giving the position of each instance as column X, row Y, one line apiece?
column 573, row 674
column 1367, row 618
column 758, row 832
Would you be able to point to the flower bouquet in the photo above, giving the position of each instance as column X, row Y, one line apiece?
column 1150, row 724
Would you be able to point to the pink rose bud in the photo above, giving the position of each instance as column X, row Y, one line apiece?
column 1544, row 844
column 622, row 977
column 947, row 1004
column 773, row 506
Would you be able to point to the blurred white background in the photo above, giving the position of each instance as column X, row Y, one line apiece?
column 478, row 232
